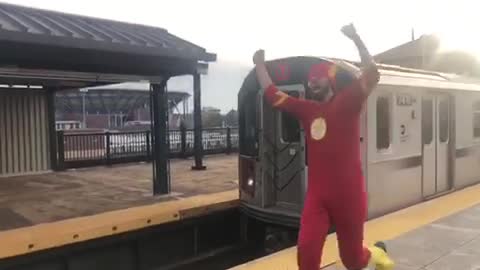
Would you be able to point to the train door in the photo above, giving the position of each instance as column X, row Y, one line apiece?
column 284, row 158
column 436, row 138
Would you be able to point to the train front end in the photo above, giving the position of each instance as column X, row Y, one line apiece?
column 272, row 165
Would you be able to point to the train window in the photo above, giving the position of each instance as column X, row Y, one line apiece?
column 476, row 119
column 383, row 122
column 247, row 127
column 290, row 125
column 427, row 121
column 444, row 118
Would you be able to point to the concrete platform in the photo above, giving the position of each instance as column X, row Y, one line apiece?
column 34, row 199
column 441, row 234
column 451, row 243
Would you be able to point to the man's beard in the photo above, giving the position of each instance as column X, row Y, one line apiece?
column 322, row 95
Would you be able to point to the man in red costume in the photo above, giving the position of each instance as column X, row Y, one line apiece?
column 336, row 188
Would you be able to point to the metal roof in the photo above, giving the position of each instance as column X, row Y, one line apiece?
column 64, row 50
column 23, row 24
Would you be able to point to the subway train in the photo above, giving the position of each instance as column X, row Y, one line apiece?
column 420, row 138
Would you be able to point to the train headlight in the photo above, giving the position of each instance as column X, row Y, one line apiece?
column 247, row 175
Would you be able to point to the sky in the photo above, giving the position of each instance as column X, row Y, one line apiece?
column 235, row 29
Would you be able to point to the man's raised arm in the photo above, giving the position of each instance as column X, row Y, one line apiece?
column 278, row 99
column 370, row 75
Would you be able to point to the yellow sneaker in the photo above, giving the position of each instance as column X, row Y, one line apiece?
column 379, row 257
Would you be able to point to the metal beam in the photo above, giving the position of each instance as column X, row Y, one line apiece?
column 52, row 133
column 160, row 153
column 197, row 119
column 58, row 75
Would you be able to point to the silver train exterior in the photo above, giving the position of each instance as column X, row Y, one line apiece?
column 420, row 138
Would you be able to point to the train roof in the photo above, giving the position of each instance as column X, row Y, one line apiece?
column 390, row 75
column 397, row 75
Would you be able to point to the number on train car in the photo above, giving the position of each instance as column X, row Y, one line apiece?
column 405, row 100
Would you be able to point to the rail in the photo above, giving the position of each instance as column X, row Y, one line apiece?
column 105, row 148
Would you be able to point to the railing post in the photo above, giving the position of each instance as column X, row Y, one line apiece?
column 61, row 150
column 149, row 152
column 161, row 172
column 52, row 135
column 197, row 122
column 229, row 140
column 107, row 150
column 183, row 141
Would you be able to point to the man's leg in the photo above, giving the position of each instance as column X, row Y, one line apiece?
column 313, row 231
column 349, row 218
column 350, row 243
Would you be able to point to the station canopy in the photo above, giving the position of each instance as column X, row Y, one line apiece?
column 57, row 49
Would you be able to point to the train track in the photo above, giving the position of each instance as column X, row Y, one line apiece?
column 218, row 240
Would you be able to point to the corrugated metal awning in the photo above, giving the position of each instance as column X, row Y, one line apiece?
column 42, row 27
column 35, row 41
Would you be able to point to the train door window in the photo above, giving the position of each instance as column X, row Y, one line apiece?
column 383, row 122
column 247, row 128
column 290, row 125
column 427, row 121
column 476, row 119
column 443, row 120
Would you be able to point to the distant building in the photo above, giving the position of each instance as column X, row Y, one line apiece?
column 111, row 107
column 67, row 125
column 211, row 110
column 425, row 53
column 418, row 53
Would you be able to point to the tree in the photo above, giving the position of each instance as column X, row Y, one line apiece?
column 231, row 118
column 211, row 117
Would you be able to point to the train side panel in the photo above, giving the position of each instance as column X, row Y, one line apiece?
column 394, row 149
column 467, row 152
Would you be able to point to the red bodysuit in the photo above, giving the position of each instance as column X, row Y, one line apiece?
column 336, row 191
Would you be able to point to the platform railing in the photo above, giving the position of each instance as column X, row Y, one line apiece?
column 105, row 148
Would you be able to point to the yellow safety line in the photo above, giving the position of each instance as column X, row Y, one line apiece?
column 384, row 228
column 43, row 236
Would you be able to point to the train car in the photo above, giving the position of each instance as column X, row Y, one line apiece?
column 420, row 138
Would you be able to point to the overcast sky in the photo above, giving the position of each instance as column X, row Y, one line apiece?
column 235, row 29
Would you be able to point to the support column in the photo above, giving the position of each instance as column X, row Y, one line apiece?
column 161, row 179
column 197, row 121
column 52, row 132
